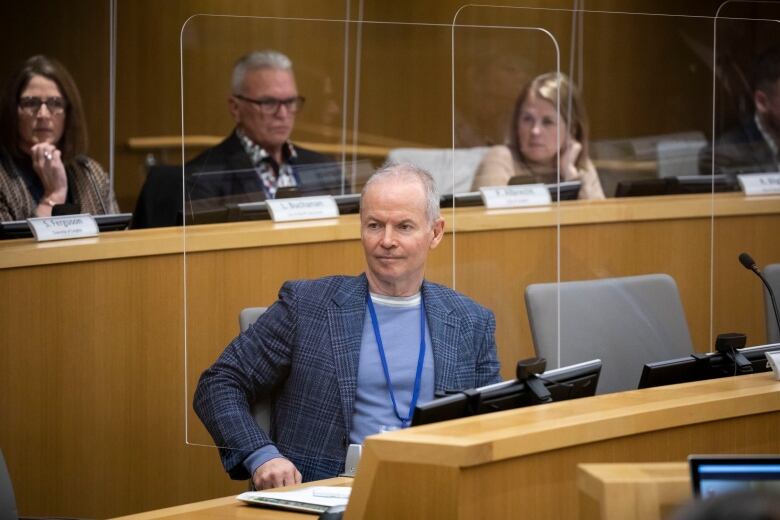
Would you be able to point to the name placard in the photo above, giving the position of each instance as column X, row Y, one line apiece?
column 494, row 197
column 302, row 208
column 759, row 183
column 63, row 227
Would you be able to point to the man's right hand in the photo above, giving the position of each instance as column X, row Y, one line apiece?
column 276, row 473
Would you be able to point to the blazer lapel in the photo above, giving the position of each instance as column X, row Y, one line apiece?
column 445, row 332
column 345, row 319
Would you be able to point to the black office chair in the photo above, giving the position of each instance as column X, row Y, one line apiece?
column 7, row 498
column 160, row 201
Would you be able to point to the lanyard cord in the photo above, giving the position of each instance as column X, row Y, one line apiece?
column 420, row 360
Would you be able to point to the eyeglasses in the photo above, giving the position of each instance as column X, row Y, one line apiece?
column 32, row 105
column 270, row 106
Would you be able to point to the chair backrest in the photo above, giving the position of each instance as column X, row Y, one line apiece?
column 625, row 322
column 261, row 410
column 160, row 201
column 7, row 500
column 439, row 162
column 772, row 275
column 678, row 154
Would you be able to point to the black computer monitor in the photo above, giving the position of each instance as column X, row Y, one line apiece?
column 642, row 187
column 569, row 190
column 679, row 185
column 564, row 383
column 683, row 184
column 699, row 367
column 20, row 229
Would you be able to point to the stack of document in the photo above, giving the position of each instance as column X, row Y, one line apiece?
column 314, row 499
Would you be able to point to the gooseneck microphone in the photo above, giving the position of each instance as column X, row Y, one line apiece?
column 747, row 261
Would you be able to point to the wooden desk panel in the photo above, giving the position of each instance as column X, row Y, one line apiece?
column 524, row 462
column 229, row 507
column 92, row 331
column 511, row 463
column 650, row 491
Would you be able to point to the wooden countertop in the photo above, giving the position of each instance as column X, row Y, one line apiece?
column 229, row 507
column 505, row 435
column 161, row 241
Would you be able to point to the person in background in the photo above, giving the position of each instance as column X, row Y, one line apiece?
column 536, row 140
column 258, row 159
column 754, row 146
column 43, row 142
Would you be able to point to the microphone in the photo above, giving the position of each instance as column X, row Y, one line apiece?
column 747, row 261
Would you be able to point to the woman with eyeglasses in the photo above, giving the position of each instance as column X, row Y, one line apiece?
column 43, row 140
column 536, row 141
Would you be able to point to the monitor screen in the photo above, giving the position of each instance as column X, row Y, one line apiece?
column 698, row 367
column 564, row 383
column 675, row 185
column 718, row 474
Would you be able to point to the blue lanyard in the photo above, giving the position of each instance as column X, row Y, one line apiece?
column 420, row 360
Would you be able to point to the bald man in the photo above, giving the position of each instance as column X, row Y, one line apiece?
column 349, row 356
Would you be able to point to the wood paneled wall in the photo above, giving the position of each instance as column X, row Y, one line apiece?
column 641, row 75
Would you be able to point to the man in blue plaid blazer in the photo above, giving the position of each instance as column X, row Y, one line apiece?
column 317, row 354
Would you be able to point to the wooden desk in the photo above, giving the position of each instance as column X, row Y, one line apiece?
column 639, row 491
column 229, row 507
column 506, row 464
column 92, row 362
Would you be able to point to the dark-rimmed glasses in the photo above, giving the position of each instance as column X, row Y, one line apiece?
column 32, row 105
column 270, row 105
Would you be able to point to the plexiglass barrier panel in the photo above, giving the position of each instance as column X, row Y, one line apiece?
column 745, row 137
column 389, row 98
column 634, row 282
column 493, row 59
column 626, row 266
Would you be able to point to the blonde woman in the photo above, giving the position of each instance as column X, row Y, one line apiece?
column 533, row 148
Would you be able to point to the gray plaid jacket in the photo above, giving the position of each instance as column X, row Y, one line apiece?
column 304, row 352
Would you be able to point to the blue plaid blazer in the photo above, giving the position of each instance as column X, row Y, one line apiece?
column 304, row 352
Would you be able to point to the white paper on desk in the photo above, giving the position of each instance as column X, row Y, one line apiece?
column 304, row 495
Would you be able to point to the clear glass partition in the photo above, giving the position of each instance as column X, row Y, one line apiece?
column 374, row 91
column 655, row 90
column 649, row 93
column 745, row 133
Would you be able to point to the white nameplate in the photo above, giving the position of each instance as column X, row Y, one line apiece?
column 773, row 360
column 62, row 227
column 302, row 208
column 759, row 183
column 494, row 197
